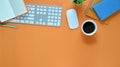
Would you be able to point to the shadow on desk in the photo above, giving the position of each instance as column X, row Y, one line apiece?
column 89, row 40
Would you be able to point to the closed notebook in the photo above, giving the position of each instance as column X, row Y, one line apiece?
column 106, row 8
column 11, row 8
column 91, row 13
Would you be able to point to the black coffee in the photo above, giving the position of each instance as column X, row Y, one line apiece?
column 88, row 27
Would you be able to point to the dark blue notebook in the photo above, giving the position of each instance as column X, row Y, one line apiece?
column 106, row 8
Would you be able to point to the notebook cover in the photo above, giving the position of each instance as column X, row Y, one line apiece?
column 90, row 12
column 12, row 8
column 106, row 8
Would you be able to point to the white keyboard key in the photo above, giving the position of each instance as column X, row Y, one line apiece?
column 49, row 10
column 60, row 8
column 32, row 8
column 60, row 11
column 51, row 20
column 52, row 17
column 59, row 14
column 31, row 15
column 23, row 21
column 49, row 23
column 49, row 17
column 29, row 18
column 55, row 17
column 55, row 20
column 56, row 10
column 56, row 14
column 50, row 7
column 49, row 13
column 43, row 23
column 40, row 19
column 48, row 20
column 45, row 10
column 33, row 12
column 58, row 22
column 41, row 9
column 31, row 22
column 55, row 24
column 44, row 13
column 53, row 10
column 41, row 12
column 59, row 18
column 26, row 21
column 53, row 14
column 37, row 22
column 13, row 20
column 45, row 7
column 38, row 9
column 37, row 12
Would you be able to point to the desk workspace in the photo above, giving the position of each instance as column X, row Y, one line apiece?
column 76, row 36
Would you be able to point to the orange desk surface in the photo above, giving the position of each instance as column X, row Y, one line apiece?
column 42, row 46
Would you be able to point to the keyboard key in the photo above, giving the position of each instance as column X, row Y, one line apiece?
column 53, row 10
column 49, row 10
column 45, row 7
column 60, row 8
column 43, row 23
column 55, row 24
column 31, row 22
column 52, row 17
column 55, row 17
column 44, row 13
column 49, row 17
column 60, row 11
column 29, row 18
column 45, row 10
column 13, row 20
column 32, row 12
column 40, row 19
column 59, row 18
column 41, row 12
column 59, row 14
column 26, row 21
column 31, row 15
column 53, row 14
column 32, row 9
column 49, row 23
column 51, row 20
column 50, row 7
column 48, row 20
column 55, row 20
column 38, row 9
column 37, row 22
column 22, row 21
column 37, row 12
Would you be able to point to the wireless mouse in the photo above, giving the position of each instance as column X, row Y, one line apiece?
column 72, row 19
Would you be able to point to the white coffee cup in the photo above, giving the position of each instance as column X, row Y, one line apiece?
column 89, row 27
